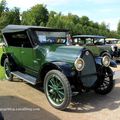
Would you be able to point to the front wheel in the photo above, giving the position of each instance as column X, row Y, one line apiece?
column 105, row 83
column 57, row 89
column 7, row 68
column 105, row 54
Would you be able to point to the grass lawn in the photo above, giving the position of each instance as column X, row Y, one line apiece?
column 1, row 68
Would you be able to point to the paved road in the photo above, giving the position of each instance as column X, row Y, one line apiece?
column 21, row 101
column 117, row 74
column 15, row 108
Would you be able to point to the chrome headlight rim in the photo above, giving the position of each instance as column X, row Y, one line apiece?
column 104, row 61
column 76, row 64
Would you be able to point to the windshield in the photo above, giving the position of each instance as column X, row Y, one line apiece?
column 78, row 41
column 88, row 41
column 112, row 41
column 99, row 41
column 52, row 37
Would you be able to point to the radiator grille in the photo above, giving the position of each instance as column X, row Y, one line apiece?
column 88, row 74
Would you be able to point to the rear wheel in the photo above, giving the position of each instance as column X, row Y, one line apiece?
column 7, row 68
column 106, row 83
column 57, row 89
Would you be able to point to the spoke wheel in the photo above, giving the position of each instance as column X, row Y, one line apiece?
column 7, row 68
column 57, row 89
column 107, row 83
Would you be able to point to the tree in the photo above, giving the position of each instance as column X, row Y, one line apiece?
column 52, row 19
column 40, row 16
column 3, row 6
column 10, row 17
column 84, row 20
column 118, row 28
column 37, row 15
column 16, row 16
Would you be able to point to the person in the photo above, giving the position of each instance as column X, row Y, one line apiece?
column 69, row 40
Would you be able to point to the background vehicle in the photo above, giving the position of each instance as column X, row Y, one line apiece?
column 115, row 45
column 97, row 44
column 40, row 55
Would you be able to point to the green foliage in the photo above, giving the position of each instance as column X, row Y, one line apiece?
column 37, row 15
column 2, row 76
column 3, row 6
column 118, row 28
column 40, row 16
column 10, row 17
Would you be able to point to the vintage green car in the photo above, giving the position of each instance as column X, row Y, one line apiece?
column 97, row 44
column 39, row 55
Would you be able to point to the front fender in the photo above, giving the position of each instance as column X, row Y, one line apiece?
column 98, row 61
column 66, row 68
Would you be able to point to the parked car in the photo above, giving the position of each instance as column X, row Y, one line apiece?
column 39, row 55
column 112, row 41
column 97, row 44
column 115, row 45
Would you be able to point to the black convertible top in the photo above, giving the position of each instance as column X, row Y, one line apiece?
column 18, row 28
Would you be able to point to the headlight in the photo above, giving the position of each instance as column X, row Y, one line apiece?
column 106, row 61
column 79, row 64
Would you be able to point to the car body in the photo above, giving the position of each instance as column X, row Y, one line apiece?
column 39, row 55
column 97, row 44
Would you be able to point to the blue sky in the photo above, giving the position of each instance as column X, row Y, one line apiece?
column 107, row 11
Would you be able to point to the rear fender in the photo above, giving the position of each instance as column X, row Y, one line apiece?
column 13, row 64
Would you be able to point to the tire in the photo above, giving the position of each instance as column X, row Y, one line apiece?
column 107, row 83
column 7, row 68
column 58, row 98
column 105, row 54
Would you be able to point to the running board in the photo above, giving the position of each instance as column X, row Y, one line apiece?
column 25, row 77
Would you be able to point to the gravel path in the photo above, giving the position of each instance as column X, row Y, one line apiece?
column 21, row 101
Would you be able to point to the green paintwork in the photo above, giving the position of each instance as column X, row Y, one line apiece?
column 15, row 52
column 58, row 53
column 93, row 49
column 34, row 58
column 97, row 50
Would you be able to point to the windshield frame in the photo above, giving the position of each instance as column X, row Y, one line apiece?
column 66, row 32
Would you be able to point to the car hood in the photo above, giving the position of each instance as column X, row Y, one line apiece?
column 61, row 53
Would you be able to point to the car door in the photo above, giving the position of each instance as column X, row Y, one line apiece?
column 14, row 46
column 27, row 54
